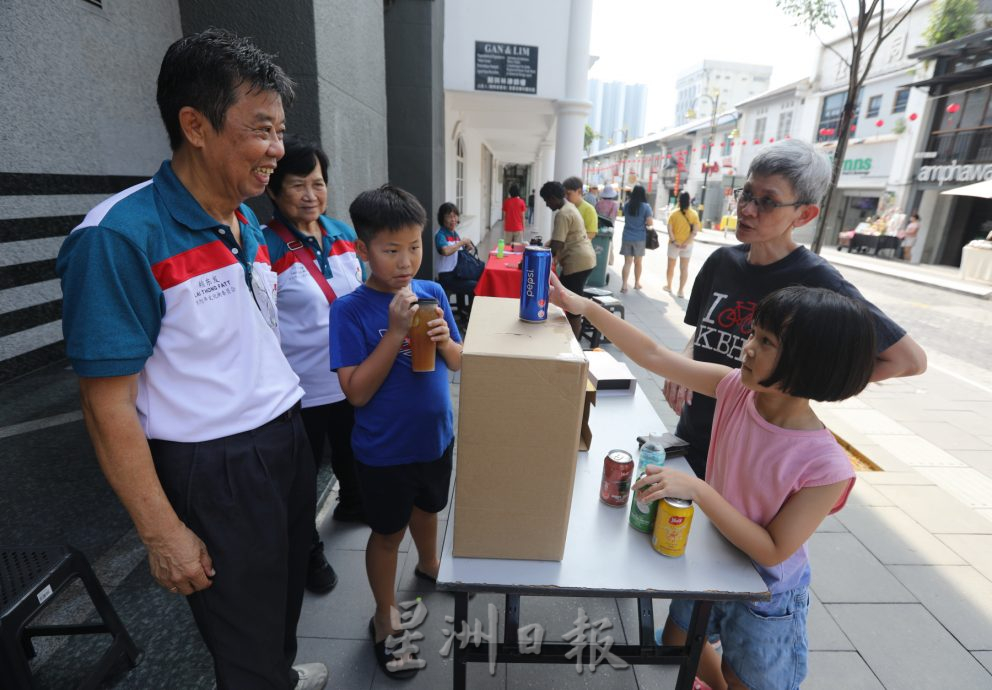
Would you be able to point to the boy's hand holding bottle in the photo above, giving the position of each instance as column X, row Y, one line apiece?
column 401, row 311
column 439, row 331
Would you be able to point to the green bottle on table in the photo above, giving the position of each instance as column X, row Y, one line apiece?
column 499, row 248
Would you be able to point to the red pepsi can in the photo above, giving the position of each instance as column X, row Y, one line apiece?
column 535, row 284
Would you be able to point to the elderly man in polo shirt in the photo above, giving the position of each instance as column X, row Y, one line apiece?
column 170, row 323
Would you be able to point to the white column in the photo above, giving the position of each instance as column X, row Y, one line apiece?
column 545, row 173
column 573, row 110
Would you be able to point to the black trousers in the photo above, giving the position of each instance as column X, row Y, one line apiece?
column 251, row 498
column 333, row 422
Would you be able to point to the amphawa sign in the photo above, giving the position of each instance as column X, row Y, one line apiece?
column 505, row 67
column 965, row 172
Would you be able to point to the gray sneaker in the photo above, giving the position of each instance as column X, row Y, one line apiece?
column 312, row 676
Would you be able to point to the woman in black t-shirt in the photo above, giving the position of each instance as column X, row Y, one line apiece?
column 785, row 184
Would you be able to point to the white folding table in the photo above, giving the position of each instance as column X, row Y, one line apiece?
column 605, row 557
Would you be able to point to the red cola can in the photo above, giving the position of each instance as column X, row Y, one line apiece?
column 618, row 472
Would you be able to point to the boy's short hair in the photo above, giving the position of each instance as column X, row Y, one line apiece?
column 444, row 209
column 386, row 208
column 572, row 184
column 552, row 190
column 826, row 342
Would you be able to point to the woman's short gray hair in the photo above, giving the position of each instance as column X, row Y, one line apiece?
column 807, row 169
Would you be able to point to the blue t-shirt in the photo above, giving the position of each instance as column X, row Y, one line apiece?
column 409, row 418
column 634, row 225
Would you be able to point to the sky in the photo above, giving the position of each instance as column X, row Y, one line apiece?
column 653, row 41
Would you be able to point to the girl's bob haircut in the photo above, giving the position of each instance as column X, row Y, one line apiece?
column 826, row 342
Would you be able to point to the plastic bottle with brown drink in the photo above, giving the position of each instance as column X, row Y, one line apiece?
column 424, row 349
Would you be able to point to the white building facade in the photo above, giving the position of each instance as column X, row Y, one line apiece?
column 887, row 128
column 515, row 103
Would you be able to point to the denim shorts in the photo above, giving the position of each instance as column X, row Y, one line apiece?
column 764, row 642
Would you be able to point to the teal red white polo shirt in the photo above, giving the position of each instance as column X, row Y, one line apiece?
column 304, row 312
column 154, row 286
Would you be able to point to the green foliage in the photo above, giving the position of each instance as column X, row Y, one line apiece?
column 590, row 136
column 950, row 19
column 811, row 14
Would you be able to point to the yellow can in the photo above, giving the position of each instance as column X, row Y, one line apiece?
column 671, row 527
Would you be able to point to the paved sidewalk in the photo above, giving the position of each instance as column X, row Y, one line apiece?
column 902, row 585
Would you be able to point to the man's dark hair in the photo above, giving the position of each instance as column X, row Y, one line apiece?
column 826, row 342
column 552, row 190
column 386, row 208
column 300, row 158
column 514, row 190
column 572, row 184
column 444, row 209
column 205, row 70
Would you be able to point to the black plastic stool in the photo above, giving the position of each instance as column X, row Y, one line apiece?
column 30, row 578
column 609, row 303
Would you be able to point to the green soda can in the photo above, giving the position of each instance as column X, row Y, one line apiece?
column 642, row 514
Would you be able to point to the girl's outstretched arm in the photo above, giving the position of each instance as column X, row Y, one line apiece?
column 699, row 376
column 768, row 546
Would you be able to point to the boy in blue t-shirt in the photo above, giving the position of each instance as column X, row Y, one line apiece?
column 403, row 433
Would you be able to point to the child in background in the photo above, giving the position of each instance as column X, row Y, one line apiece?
column 774, row 472
column 403, row 435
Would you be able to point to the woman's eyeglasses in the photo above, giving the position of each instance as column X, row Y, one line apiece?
column 764, row 204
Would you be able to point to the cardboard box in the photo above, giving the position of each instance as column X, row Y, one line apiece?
column 521, row 398
column 585, row 433
column 610, row 376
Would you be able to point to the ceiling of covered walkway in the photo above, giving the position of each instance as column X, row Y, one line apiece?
column 513, row 127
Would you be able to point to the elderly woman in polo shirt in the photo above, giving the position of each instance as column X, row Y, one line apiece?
column 315, row 260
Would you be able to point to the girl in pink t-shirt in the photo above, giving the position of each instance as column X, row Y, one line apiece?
column 774, row 472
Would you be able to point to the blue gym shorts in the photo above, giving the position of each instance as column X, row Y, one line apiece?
column 764, row 642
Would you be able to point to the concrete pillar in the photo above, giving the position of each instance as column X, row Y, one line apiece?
column 573, row 110
column 545, row 173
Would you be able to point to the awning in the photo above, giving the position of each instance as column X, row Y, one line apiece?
column 979, row 189
column 974, row 74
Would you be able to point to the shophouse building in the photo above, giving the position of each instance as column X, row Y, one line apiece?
column 515, row 103
column 887, row 125
column 955, row 149
column 679, row 159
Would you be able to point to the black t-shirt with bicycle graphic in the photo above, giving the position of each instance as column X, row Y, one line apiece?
column 721, row 308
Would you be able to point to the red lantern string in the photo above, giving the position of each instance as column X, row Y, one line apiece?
column 757, row 141
column 772, row 140
column 913, row 116
column 879, row 123
column 953, row 108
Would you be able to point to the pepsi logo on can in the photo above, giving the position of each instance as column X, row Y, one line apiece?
column 535, row 284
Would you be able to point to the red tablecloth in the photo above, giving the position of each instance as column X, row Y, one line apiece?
column 501, row 277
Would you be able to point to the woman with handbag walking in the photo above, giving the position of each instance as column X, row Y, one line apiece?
column 637, row 219
column 683, row 225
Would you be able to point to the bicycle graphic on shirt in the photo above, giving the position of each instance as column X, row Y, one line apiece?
column 740, row 315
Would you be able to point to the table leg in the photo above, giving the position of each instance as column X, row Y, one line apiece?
column 511, row 627
column 461, row 615
column 695, row 639
column 645, row 619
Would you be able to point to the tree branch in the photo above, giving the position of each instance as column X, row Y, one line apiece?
column 901, row 19
column 833, row 50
